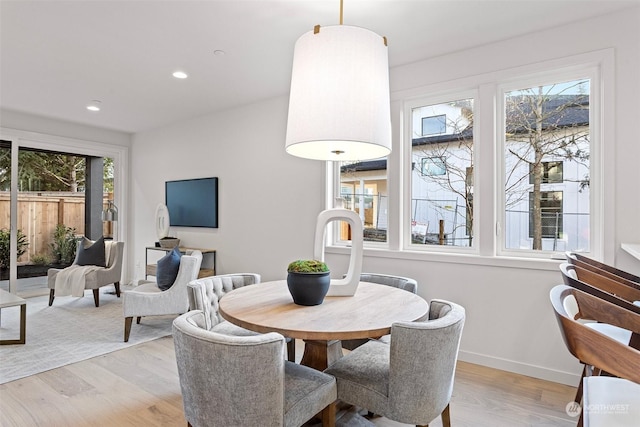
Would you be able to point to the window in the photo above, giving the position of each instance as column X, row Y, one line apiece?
column 56, row 196
column 442, row 187
column 551, row 172
column 432, row 166
column 515, row 169
column 549, row 120
column 363, row 187
column 550, row 206
column 434, row 125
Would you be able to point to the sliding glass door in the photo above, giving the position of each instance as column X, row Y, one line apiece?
column 57, row 198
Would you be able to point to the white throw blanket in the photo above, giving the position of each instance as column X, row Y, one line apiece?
column 71, row 280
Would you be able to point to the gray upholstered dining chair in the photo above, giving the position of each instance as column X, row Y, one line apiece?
column 148, row 299
column 204, row 294
column 409, row 380
column 404, row 283
column 231, row 380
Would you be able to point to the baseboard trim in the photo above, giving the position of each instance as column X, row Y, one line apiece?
column 534, row 371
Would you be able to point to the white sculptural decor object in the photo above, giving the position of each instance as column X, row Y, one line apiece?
column 162, row 221
column 348, row 285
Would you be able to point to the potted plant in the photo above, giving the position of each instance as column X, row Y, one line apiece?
column 308, row 281
column 64, row 245
column 5, row 254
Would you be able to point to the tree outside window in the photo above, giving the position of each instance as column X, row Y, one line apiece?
column 546, row 154
column 442, row 185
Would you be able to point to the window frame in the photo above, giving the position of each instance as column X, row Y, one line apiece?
column 598, row 65
column 551, row 76
column 408, row 106
column 82, row 147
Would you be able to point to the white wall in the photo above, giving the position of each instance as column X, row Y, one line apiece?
column 269, row 200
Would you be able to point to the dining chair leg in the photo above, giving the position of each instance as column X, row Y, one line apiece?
column 329, row 415
column 96, row 297
column 52, row 295
column 446, row 417
column 138, row 320
column 291, row 350
column 117, row 286
column 578, row 397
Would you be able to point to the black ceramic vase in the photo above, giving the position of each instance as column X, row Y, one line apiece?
column 308, row 288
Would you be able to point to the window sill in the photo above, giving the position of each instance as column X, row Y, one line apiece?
column 456, row 258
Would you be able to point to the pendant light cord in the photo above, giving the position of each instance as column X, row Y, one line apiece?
column 341, row 4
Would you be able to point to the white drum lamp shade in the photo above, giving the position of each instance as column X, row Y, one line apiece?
column 339, row 105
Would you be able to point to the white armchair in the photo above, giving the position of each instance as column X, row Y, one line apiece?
column 98, row 277
column 148, row 299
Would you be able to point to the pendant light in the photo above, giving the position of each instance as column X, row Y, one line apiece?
column 339, row 106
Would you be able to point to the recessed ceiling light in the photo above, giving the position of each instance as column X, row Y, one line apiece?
column 180, row 75
column 218, row 52
column 94, row 105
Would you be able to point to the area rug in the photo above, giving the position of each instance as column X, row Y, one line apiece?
column 71, row 330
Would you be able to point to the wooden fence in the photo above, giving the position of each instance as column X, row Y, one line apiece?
column 38, row 215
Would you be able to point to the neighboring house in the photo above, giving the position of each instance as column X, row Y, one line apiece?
column 442, row 176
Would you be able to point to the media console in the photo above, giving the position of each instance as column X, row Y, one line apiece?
column 208, row 267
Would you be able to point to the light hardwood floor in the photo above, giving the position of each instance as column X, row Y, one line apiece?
column 138, row 386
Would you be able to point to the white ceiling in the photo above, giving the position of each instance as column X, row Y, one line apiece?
column 57, row 56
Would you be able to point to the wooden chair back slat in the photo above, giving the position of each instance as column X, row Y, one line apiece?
column 605, row 290
column 603, row 269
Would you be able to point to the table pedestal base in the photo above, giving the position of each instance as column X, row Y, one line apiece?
column 321, row 354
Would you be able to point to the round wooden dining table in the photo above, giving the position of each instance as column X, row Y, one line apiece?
column 268, row 307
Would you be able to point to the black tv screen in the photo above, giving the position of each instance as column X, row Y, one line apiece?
column 192, row 202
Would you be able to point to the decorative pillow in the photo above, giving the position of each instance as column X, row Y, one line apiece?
column 167, row 270
column 92, row 253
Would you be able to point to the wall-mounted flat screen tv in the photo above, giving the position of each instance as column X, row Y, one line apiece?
column 192, row 202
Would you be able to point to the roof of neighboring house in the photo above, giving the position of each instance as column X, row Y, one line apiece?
column 367, row 165
column 574, row 113
column 438, row 139
column 558, row 111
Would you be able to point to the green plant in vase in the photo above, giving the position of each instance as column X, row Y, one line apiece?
column 308, row 281
column 307, row 266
